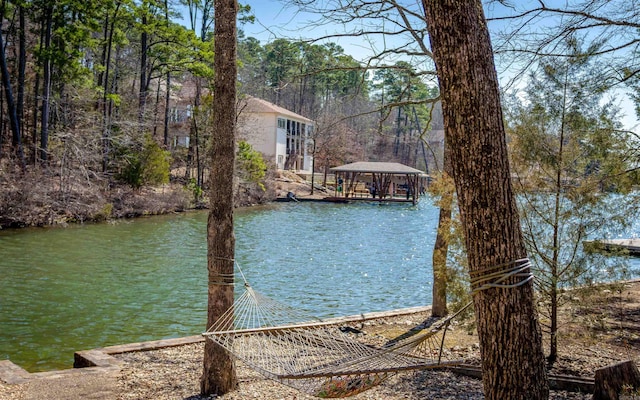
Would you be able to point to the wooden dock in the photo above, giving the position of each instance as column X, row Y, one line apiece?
column 389, row 199
column 337, row 199
column 632, row 246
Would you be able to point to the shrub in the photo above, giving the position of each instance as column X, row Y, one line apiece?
column 146, row 166
column 251, row 165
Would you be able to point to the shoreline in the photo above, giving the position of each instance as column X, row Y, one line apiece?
column 599, row 329
column 103, row 356
column 100, row 356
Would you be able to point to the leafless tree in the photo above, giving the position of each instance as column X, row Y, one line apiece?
column 526, row 31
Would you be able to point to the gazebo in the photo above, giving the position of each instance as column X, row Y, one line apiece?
column 379, row 181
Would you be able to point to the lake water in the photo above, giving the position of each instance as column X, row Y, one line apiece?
column 88, row 286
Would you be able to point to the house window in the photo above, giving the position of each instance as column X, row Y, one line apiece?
column 282, row 123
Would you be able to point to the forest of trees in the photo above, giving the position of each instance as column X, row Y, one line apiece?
column 98, row 93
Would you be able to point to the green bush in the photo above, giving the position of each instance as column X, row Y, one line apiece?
column 155, row 163
column 251, row 165
column 104, row 213
column 148, row 165
column 131, row 172
column 192, row 186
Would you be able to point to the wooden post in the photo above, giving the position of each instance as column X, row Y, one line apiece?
column 612, row 380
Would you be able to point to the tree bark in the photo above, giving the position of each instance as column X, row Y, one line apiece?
column 142, row 93
column 22, row 66
column 104, row 79
column 34, row 121
column 441, row 247
column 11, row 104
column 46, row 93
column 510, row 338
column 219, row 374
column 555, row 259
column 167, row 104
column 612, row 380
column 439, row 262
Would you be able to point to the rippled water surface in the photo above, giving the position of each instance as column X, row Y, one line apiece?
column 81, row 287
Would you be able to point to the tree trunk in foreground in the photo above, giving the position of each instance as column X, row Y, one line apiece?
column 219, row 375
column 510, row 339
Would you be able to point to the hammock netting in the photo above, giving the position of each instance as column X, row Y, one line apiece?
column 315, row 356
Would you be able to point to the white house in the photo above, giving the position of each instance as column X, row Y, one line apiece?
column 282, row 136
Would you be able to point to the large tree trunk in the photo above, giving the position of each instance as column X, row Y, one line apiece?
column 510, row 338
column 219, row 374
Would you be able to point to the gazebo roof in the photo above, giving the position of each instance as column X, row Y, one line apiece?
column 378, row 167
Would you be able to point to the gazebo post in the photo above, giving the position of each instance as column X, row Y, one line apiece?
column 383, row 175
column 414, row 191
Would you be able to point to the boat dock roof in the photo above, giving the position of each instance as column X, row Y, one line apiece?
column 630, row 245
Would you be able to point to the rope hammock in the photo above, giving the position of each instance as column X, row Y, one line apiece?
column 317, row 357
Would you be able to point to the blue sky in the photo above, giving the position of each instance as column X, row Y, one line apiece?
column 274, row 19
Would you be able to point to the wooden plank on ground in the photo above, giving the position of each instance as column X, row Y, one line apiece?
column 556, row 382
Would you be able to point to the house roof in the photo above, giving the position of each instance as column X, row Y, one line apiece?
column 378, row 167
column 256, row 105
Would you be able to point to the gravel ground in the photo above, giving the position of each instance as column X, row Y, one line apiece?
column 597, row 331
column 174, row 374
